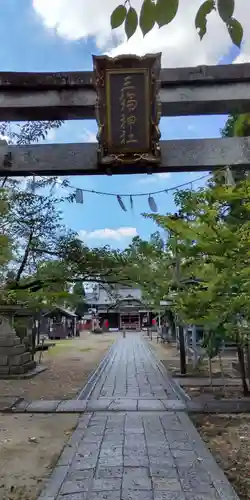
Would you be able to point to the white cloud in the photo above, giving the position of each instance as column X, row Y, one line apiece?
column 179, row 41
column 149, row 179
column 108, row 234
column 88, row 136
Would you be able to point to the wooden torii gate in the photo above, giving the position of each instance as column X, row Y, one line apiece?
column 198, row 90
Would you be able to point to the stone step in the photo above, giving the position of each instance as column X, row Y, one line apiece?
column 122, row 405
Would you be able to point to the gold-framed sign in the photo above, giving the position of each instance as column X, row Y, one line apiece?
column 128, row 108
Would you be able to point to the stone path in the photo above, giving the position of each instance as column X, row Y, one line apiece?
column 136, row 455
column 133, row 373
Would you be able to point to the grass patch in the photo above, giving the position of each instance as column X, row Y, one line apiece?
column 60, row 346
column 86, row 349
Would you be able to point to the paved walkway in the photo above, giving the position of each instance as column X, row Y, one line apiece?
column 136, row 455
column 133, row 373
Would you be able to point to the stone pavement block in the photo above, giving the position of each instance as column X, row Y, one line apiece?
column 196, row 484
column 107, row 472
column 42, row 406
column 136, row 461
column 136, row 478
column 111, row 461
column 93, row 447
column 79, row 463
column 135, row 451
column 163, row 471
column 76, row 437
column 115, row 421
column 112, row 441
column 107, row 484
column 104, row 495
column 180, row 445
column 55, row 482
column 67, row 455
column 135, row 444
column 177, row 435
column 124, row 404
column 107, row 451
column 20, row 407
column 88, row 441
column 186, row 456
column 84, row 420
column 101, row 404
column 166, row 484
column 225, row 490
column 72, row 406
column 133, row 430
column 93, row 435
column 166, row 462
column 77, row 481
column 161, row 453
column 175, row 405
column 137, row 495
column 88, row 452
column 97, row 427
column 194, row 472
column 82, row 463
column 171, row 495
column 45, row 498
column 41, row 497
column 150, row 405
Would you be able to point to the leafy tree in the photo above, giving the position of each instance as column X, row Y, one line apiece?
column 235, row 126
column 217, row 253
column 145, row 265
column 163, row 12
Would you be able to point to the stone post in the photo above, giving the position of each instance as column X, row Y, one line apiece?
column 13, row 358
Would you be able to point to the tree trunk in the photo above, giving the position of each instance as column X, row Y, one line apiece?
column 248, row 359
column 222, row 371
column 183, row 365
column 241, row 359
column 210, row 371
column 25, row 258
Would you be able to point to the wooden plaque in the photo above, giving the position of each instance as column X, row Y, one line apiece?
column 128, row 108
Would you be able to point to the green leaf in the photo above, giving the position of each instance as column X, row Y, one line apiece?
column 235, row 31
column 225, row 9
column 166, row 11
column 118, row 16
column 201, row 17
column 147, row 16
column 131, row 22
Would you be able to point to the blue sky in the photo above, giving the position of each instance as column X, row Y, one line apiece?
column 27, row 45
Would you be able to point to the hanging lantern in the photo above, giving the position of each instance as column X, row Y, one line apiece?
column 229, row 178
column 121, row 203
column 152, row 204
column 79, row 196
column 131, row 203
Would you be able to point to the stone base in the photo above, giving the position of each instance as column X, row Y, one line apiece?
column 21, row 376
column 14, row 360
